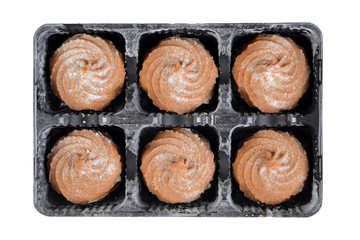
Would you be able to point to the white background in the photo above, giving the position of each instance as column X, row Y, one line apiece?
column 338, row 21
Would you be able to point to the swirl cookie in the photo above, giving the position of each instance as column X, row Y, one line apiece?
column 271, row 167
column 84, row 166
column 179, row 75
column 87, row 72
column 272, row 73
column 177, row 166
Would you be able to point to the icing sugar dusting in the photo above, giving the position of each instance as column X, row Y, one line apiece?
column 87, row 72
column 271, row 73
column 178, row 75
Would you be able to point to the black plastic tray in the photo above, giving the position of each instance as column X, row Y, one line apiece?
column 132, row 120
